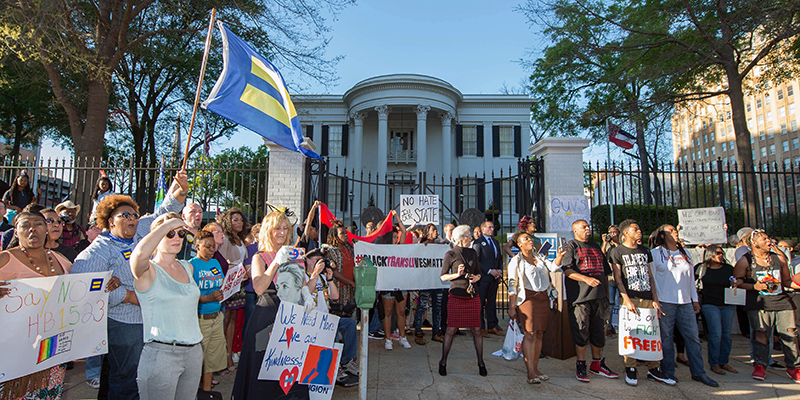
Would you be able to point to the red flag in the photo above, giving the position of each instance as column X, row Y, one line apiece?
column 620, row 138
column 327, row 218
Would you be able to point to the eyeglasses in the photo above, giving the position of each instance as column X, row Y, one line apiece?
column 181, row 234
column 128, row 215
column 718, row 252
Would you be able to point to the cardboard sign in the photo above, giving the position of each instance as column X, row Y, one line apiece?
column 53, row 320
column 320, row 369
column 421, row 209
column 639, row 335
column 292, row 333
column 233, row 281
column 564, row 210
column 703, row 225
column 405, row 267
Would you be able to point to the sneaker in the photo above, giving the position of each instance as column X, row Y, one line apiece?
column 351, row 367
column 341, row 376
column 403, row 341
column 658, row 376
column 387, row 344
column 777, row 365
column 376, row 335
column 630, row 376
column 580, row 371
column 349, row 380
column 794, row 374
column 93, row 383
column 599, row 367
column 395, row 335
column 759, row 371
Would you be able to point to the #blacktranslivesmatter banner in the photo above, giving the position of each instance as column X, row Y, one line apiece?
column 639, row 335
column 292, row 333
column 53, row 320
column 405, row 267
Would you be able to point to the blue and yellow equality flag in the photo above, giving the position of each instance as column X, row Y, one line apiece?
column 251, row 92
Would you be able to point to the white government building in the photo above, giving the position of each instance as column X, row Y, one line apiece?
column 403, row 124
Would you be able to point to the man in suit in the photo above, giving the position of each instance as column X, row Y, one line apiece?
column 491, row 263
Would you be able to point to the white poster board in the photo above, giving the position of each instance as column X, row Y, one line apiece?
column 702, row 225
column 640, row 335
column 405, row 267
column 421, row 209
column 233, row 281
column 564, row 210
column 292, row 333
column 53, row 320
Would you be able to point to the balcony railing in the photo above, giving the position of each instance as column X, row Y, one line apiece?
column 401, row 155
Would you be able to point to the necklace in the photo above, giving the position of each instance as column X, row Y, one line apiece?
column 36, row 267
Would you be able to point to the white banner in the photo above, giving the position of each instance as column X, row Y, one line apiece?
column 421, row 209
column 405, row 267
column 53, row 320
column 639, row 335
column 292, row 333
column 702, row 225
column 233, row 281
column 564, row 210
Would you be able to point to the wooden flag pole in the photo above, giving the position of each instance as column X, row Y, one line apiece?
column 199, row 85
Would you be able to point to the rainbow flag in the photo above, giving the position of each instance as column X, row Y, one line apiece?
column 47, row 348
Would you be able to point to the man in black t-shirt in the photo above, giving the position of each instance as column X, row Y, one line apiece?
column 634, row 277
column 587, row 296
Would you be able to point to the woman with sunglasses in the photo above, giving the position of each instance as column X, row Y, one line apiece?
column 714, row 275
column 119, row 216
column 172, row 359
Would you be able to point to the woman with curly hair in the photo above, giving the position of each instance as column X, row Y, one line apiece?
column 341, row 253
column 110, row 251
column 235, row 228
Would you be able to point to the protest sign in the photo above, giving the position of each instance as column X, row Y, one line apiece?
column 292, row 333
column 320, row 369
column 53, row 320
column 405, row 267
column 564, row 210
column 421, row 209
column 702, row 225
column 233, row 281
column 639, row 335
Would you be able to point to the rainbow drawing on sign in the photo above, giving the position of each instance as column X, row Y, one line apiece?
column 47, row 348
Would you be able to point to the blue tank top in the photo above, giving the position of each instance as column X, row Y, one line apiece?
column 169, row 308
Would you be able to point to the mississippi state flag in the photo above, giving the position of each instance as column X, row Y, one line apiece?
column 620, row 138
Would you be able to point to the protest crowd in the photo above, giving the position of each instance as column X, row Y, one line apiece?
column 172, row 326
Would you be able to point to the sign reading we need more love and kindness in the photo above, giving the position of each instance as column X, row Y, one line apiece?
column 421, row 209
column 50, row 321
column 405, row 267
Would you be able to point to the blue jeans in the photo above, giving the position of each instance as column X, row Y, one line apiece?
column 720, row 321
column 93, row 366
column 347, row 336
column 425, row 297
column 613, row 301
column 683, row 317
column 125, row 343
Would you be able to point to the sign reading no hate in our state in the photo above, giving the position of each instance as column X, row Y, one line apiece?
column 421, row 209
column 702, row 225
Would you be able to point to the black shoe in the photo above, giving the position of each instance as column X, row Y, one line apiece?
column 580, row 371
column 349, row 381
column 705, row 380
column 630, row 376
column 442, row 370
column 658, row 376
column 376, row 335
column 482, row 370
column 778, row 366
column 70, row 365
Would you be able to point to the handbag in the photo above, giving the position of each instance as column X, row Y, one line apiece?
column 735, row 296
column 471, row 291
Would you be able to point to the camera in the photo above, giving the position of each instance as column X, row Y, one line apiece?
column 771, row 286
column 64, row 218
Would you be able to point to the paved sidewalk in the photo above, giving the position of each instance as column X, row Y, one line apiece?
column 413, row 374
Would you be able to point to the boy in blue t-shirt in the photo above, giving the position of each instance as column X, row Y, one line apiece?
column 209, row 277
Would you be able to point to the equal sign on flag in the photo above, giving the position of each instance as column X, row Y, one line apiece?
column 620, row 138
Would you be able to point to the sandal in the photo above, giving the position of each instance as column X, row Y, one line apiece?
column 543, row 377
column 214, row 382
column 533, row 381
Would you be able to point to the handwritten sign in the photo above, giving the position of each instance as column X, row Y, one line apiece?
column 50, row 321
column 420, row 208
column 702, row 225
column 320, row 369
column 405, row 267
column 564, row 210
column 292, row 333
column 639, row 335
column 233, row 281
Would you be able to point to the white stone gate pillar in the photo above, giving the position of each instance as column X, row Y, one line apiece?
column 287, row 177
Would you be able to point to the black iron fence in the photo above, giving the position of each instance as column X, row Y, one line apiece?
column 653, row 197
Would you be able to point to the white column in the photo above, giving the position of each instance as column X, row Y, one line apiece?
column 383, row 148
column 287, row 177
column 356, row 142
column 447, row 144
column 422, row 137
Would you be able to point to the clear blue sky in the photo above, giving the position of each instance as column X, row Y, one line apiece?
column 474, row 45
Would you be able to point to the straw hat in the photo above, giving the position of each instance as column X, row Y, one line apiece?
column 67, row 204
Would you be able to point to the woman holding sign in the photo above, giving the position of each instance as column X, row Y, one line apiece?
column 32, row 260
column 714, row 276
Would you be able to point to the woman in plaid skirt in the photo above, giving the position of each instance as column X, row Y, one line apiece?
column 460, row 267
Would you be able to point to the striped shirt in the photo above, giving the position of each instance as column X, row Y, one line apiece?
column 109, row 254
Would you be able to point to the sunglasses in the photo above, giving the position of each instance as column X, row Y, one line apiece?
column 181, row 234
column 718, row 252
column 50, row 220
column 128, row 215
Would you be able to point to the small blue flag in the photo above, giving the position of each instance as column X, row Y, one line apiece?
column 161, row 189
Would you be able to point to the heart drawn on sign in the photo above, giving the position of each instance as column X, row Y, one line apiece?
column 287, row 378
column 289, row 336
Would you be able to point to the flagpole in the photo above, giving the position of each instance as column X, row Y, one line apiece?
column 608, row 165
column 200, row 84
